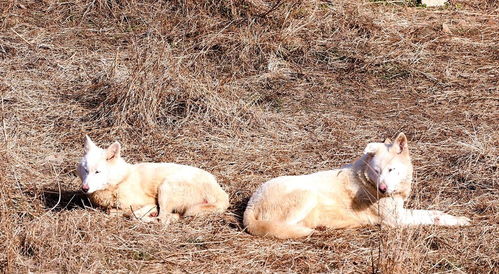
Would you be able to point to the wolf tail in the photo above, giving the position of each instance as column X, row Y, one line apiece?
column 277, row 229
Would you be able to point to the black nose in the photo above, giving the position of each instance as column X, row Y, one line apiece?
column 84, row 188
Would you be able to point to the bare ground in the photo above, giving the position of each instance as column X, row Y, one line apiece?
column 247, row 90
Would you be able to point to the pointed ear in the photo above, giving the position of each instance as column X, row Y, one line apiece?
column 88, row 144
column 372, row 148
column 388, row 141
column 113, row 151
column 400, row 143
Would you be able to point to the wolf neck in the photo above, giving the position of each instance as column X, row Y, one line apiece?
column 359, row 169
column 108, row 197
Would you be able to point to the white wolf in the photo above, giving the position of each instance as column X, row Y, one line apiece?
column 372, row 190
column 140, row 189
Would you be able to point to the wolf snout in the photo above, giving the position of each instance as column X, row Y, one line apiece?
column 382, row 188
column 85, row 188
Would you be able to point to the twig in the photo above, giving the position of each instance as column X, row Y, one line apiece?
column 143, row 215
column 70, row 200
column 274, row 7
column 3, row 122
column 28, row 42
column 89, row 6
column 58, row 200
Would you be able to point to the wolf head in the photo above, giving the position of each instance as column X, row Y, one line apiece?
column 389, row 167
column 100, row 168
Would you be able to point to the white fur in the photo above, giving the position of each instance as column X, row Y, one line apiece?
column 139, row 189
column 369, row 191
column 94, row 170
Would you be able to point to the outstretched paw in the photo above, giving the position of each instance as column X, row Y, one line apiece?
column 449, row 220
column 463, row 221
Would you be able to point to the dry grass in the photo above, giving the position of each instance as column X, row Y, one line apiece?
column 248, row 90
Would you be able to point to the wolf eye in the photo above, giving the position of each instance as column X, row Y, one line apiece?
column 97, row 171
column 377, row 170
column 390, row 169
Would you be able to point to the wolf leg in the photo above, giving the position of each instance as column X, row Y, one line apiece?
column 146, row 213
column 202, row 209
column 116, row 212
column 211, row 205
column 431, row 217
column 305, row 203
column 282, row 219
column 394, row 214
column 166, row 205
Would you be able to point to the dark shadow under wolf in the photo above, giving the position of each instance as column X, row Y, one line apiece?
column 57, row 201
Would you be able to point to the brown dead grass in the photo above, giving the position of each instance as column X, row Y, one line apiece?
column 248, row 90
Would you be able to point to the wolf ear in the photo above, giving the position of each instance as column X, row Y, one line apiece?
column 372, row 148
column 88, row 144
column 113, row 151
column 400, row 143
column 387, row 141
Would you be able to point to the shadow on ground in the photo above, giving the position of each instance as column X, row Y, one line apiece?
column 237, row 210
column 64, row 200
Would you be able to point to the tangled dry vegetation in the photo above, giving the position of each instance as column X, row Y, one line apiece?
column 248, row 90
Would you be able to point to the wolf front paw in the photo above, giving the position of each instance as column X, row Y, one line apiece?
column 148, row 219
column 463, row 221
column 115, row 212
column 169, row 218
column 449, row 220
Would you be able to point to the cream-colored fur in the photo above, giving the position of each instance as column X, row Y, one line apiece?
column 434, row 3
column 372, row 190
column 141, row 190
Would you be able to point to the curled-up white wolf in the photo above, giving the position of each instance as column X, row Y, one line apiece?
column 142, row 189
column 372, row 190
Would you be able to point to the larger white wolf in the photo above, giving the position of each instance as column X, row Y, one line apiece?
column 140, row 189
column 372, row 190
